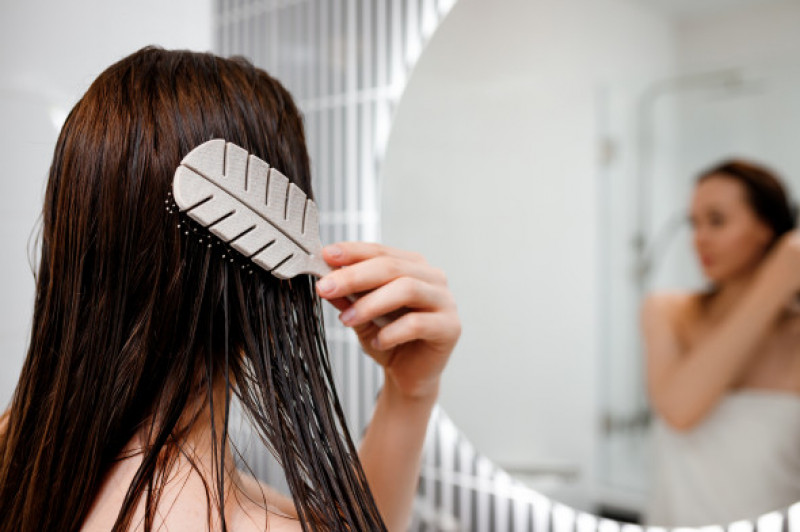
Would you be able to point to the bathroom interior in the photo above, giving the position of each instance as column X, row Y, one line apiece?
column 541, row 152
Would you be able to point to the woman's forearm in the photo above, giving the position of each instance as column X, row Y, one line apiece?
column 391, row 452
column 707, row 371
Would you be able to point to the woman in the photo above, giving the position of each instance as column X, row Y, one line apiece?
column 723, row 366
column 141, row 334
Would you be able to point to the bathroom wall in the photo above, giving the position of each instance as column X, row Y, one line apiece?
column 51, row 51
column 751, row 35
column 761, row 118
column 751, row 110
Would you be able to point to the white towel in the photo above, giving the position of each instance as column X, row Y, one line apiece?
column 741, row 461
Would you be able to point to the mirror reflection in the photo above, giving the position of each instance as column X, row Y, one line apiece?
column 611, row 188
column 723, row 374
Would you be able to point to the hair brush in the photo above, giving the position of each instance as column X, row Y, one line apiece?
column 252, row 209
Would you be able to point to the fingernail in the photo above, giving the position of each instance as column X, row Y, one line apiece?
column 326, row 286
column 374, row 343
column 348, row 315
column 334, row 251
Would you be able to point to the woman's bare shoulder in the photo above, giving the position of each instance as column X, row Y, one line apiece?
column 250, row 506
column 680, row 312
column 674, row 305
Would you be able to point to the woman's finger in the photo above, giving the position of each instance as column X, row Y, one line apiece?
column 434, row 327
column 373, row 273
column 403, row 292
column 344, row 253
column 341, row 303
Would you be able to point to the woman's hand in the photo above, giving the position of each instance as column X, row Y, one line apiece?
column 783, row 264
column 414, row 347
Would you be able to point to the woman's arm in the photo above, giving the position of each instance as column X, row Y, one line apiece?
column 391, row 452
column 684, row 387
column 413, row 350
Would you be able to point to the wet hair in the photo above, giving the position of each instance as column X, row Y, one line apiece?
column 132, row 317
column 765, row 193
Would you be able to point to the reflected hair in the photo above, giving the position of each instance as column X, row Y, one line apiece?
column 133, row 319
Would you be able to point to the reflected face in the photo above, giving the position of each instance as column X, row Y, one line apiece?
column 729, row 238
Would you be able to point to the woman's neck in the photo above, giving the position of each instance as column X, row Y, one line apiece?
column 199, row 446
column 730, row 293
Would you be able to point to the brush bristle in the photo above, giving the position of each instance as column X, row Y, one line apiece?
column 203, row 236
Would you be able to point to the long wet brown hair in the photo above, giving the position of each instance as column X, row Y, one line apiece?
column 132, row 316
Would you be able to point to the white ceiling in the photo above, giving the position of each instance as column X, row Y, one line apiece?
column 694, row 8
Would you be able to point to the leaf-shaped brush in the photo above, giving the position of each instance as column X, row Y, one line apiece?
column 252, row 208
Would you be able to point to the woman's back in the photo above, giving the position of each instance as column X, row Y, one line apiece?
column 183, row 505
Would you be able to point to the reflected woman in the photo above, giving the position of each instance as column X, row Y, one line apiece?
column 723, row 365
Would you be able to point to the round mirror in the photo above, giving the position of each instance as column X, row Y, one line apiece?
column 545, row 155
